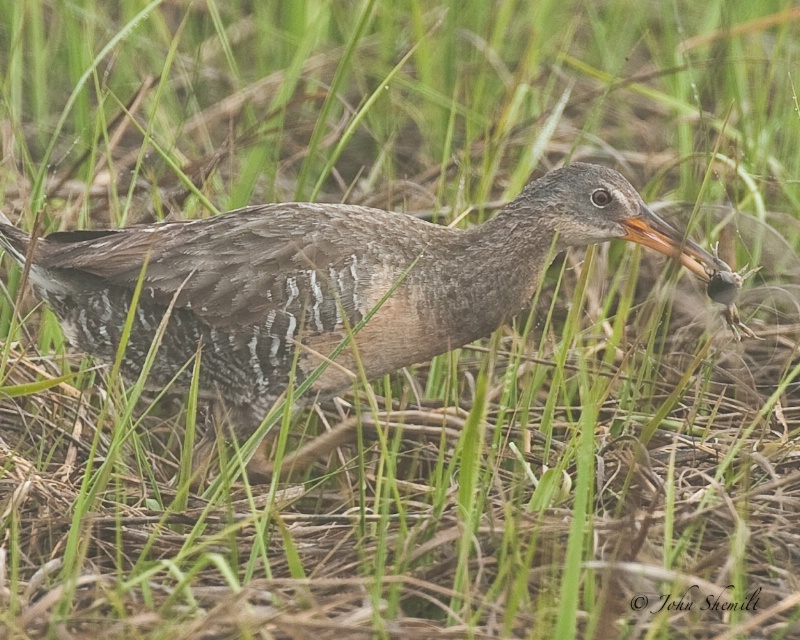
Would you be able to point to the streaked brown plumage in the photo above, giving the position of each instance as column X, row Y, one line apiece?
column 253, row 284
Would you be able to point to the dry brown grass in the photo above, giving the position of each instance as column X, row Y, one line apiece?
column 333, row 600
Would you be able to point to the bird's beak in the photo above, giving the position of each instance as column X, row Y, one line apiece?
column 651, row 231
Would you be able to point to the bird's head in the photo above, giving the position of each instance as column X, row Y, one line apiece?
column 587, row 203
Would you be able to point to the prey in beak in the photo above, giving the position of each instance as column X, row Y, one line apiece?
column 651, row 231
column 722, row 282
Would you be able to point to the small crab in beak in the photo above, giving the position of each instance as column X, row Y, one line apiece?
column 723, row 283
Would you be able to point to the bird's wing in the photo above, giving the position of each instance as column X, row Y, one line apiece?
column 231, row 271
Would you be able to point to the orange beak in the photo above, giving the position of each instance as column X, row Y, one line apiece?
column 651, row 231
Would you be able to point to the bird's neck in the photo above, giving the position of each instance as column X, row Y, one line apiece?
column 492, row 272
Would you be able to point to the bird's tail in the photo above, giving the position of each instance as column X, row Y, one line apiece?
column 12, row 240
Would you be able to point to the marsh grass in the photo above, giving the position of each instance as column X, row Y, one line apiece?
column 612, row 442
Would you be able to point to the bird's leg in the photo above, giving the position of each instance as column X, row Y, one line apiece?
column 204, row 451
column 299, row 460
column 217, row 432
column 222, row 423
column 259, row 467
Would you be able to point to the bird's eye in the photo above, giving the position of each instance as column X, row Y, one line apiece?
column 601, row 198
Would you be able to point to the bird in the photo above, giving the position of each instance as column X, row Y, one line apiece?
column 269, row 291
